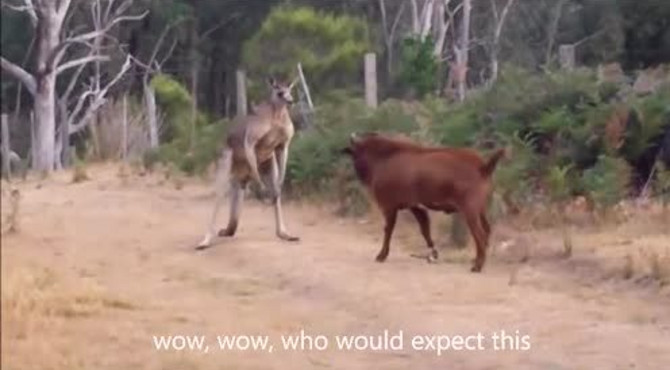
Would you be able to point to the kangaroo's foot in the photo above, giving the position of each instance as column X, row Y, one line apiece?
column 226, row 232
column 432, row 256
column 283, row 235
column 204, row 244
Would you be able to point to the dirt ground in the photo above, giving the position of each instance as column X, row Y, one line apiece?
column 98, row 268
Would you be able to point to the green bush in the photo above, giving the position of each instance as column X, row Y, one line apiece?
column 189, row 149
column 606, row 183
column 418, row 65
column 175, row 102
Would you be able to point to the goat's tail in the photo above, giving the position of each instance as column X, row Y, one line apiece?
column 490, row 165
column 224, row 169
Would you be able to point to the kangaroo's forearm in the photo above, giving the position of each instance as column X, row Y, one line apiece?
column 250, row 155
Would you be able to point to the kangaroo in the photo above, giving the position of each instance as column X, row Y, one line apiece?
column 256, row 149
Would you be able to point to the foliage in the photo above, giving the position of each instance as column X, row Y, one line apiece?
column 558, row 187
column 330, row 47
column 175, row 102
column 419, row 65
column 514, row 179
column 190, row 149
column 662, row 183
column 606, row 183
column 654, row 113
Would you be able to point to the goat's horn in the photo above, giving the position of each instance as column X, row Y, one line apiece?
column 353, row 136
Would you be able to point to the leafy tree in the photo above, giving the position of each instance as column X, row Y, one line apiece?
column 419, row 65
column 330, row 47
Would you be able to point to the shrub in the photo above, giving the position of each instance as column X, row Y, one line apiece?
column 418, row 65
column 662, row 183
column 175, row 103
column 606, row 183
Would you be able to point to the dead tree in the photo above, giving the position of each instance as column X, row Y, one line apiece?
column 499, row 21
column 47, row 18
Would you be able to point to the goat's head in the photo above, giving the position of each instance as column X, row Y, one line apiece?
column 356, row 142
column 281, row 92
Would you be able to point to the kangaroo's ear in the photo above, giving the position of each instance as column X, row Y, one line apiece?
column 272, row 82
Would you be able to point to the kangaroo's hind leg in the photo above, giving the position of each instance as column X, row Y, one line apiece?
column 222, row 184
column 236, row 203
column 271, row 179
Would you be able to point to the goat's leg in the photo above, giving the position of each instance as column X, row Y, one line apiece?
column 485, row 224
column 390, row 217
column 423, row 219
column 272, row 182
column 236, row 203
column 478, row 234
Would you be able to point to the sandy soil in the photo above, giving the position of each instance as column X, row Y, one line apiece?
column 100, row 267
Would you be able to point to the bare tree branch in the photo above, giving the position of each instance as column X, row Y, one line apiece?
column 553, row 29
column 83, row 60
column 20, row 74
column 426, row 18
column 99, row 98
column 415, row 17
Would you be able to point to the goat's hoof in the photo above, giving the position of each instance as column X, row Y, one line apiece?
column 380, row 258
column 202, row 247
column 476, row 268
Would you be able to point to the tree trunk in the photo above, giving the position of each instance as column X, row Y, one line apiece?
column 45, row 120
column 152, row 119
column 241, row 83
column 45, row 94
column 194, row 82
column 6, row 163
column 64, row 135
column 462, row 55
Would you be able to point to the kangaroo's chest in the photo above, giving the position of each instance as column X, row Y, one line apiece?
column 277, row 136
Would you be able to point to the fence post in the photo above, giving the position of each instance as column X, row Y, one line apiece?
column 371, row 80
column 6, row 160
column 566, row 56
column 241, row 84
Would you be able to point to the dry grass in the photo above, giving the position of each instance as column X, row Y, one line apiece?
column 121, row 268
column 11, row 219
column 79, row 173
column 38, row 303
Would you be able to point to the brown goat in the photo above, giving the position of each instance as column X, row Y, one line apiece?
column 401, row 174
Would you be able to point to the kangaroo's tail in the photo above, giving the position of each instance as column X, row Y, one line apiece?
column 224, row 169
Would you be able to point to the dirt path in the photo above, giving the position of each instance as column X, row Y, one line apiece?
column 100, row 267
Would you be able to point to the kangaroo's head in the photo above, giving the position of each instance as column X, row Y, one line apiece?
column 281, row 92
